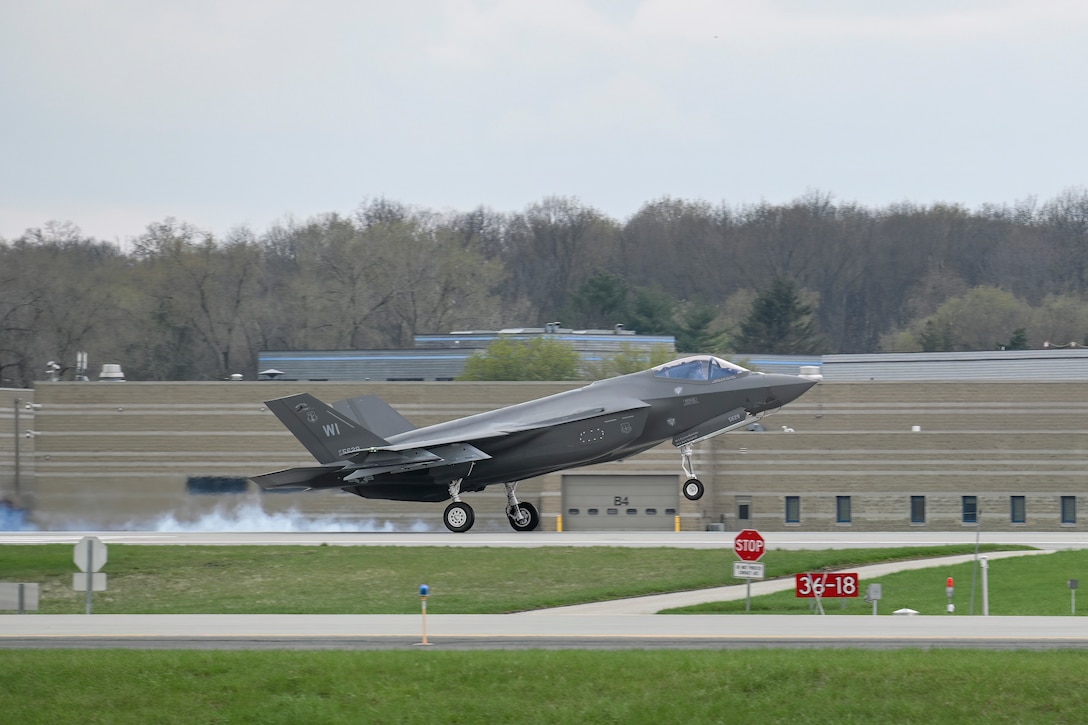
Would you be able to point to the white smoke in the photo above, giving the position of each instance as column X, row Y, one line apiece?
column 250, row 517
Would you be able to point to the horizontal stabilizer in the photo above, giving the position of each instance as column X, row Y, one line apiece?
column 413, row 460
column 301, row 478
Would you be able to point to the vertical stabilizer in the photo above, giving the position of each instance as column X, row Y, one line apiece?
column 327, row 434
column 375, row 414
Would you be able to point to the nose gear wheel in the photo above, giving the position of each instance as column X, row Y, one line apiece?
column 693, row 488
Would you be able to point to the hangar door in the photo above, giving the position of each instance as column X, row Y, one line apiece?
column 620, row 503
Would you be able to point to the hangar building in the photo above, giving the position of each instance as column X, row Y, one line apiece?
column 888, row 452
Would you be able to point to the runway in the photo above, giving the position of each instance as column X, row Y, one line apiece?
column 621, row 624
column 523, row 631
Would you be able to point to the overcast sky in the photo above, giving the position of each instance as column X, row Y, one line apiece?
column 118, row 113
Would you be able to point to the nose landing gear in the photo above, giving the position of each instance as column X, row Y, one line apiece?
column 693, row 488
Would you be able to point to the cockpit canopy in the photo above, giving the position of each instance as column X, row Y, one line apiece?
column 699, row 367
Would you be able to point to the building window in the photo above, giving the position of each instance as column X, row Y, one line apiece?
column 842, row 509
column 1018, row 509
column 970, row 509
column 744, row 511
column 793, row 509
column 1069, row 509
column 917, row 509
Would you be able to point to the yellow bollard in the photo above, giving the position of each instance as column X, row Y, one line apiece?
column 559, row 523
column 677, row 524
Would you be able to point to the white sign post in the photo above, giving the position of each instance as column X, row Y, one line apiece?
column 89, row 556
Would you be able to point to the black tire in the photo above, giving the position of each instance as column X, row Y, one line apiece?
column 693, row 489
column 534, row 517
column 459, row 517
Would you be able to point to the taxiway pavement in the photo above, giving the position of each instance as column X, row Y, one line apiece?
column 534, row 631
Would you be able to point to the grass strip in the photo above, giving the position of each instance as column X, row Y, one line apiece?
column 385, row 580
column 537, row 686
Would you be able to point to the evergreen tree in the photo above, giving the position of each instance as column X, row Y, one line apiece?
column 779, row 324
column 652, row 312
column 694, row 333
column 936, row 336
column 1018, row 341
column 601, row 301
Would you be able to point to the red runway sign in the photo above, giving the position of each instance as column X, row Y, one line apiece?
column 830, row 584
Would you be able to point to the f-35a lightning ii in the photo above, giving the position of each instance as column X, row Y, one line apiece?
column 365, row 447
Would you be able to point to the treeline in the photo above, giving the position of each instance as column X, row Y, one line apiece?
column 180, row 304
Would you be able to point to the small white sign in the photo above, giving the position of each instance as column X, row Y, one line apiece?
column 747, row 570
column 96, row 579
column 18, row 596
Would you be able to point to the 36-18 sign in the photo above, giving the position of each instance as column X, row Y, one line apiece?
column 827, row 584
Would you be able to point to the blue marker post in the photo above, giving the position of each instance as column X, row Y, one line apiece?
column 423, row 591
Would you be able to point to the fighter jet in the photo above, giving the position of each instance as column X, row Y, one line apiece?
column 366, row 448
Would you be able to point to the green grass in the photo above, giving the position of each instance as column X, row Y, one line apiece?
column 385, row 580
column 1034, row 585
column 433, row 686
column 418, row 685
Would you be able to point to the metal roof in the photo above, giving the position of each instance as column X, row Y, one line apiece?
column 365, row 364
column 441, row 357
column 984, row 365
column 432, row 361
column 788, row 364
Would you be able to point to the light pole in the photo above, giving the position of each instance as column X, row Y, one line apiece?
column 18, row 447
column 17, row 482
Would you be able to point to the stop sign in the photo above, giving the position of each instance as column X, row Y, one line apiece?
column 749, row 545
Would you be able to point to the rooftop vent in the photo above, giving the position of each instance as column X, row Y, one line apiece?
column 111, row 373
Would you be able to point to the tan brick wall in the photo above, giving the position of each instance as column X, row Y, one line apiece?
column 112, row 454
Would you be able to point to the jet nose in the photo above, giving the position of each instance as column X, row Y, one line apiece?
column 787, row 388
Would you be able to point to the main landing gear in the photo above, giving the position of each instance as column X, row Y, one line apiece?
column 459, row 516
column 523, row 515
column 693, row 487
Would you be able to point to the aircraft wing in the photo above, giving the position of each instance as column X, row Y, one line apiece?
column 496, row 426
column 623, row 405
